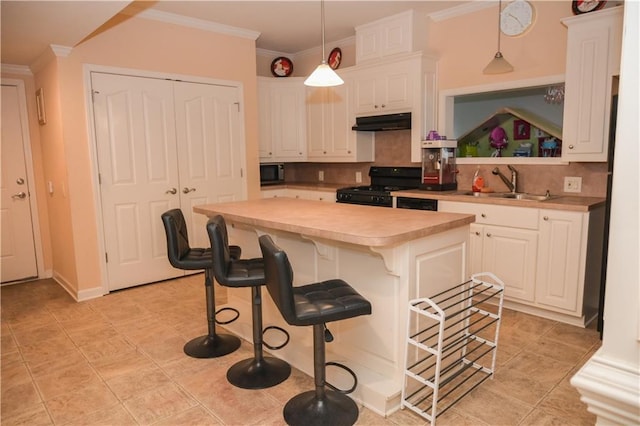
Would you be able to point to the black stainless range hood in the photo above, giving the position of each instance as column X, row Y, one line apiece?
column 379, row 123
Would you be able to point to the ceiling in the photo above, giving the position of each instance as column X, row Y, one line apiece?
column 29, row 27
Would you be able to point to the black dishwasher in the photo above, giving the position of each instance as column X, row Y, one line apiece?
column 417, row 203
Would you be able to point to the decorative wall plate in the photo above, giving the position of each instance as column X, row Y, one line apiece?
column 281, row 67
column 585, row 6
column 335, row 58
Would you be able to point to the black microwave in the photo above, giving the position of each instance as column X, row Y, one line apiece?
column 271, row 173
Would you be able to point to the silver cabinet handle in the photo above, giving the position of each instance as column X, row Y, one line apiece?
column 546, row 218
column 489, row 234
column 483, row 215
column 20, row 181
column 186, row 190
column 172, row 191
column 477, row 233
column 570, row 146
column 20, row 195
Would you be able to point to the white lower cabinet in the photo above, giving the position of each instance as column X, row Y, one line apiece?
column 509, row 253
column 549, row 260
column 561, row 243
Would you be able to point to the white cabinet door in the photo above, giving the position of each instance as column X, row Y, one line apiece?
column 385, row 88
column 385, row 37
column 265, row 139
column 510, row 253
column 330, row 117
column 282, row 120
column 328, row 127
column 558, row 282
column 593, row 57
column 288, row 121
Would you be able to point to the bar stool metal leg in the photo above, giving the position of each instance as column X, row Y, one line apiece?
column 321, row 406
column 259, row 372
column 211, row 345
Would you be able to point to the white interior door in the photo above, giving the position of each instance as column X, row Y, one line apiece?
column 17, row 252
column 162, row 144
column 209, row 140
column 136, row 145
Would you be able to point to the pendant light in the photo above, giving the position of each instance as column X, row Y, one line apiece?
column 323, row 76
column 498, row 64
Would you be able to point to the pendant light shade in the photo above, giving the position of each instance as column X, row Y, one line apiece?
column 498, row 65
column 323, row 76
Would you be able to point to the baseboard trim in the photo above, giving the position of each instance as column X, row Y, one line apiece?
column 610, row 389
column 78, row 296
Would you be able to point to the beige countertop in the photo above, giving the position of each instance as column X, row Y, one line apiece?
column 349, row 223
column 560, row 202
column 583, row 204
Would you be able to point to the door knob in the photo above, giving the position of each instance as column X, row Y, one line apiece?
column 19, row 195
column 172, row 191
column 186, row 190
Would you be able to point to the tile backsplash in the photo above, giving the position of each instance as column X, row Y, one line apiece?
column 393, row 149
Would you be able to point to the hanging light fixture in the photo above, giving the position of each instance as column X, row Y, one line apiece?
column 323, row 76
column 498, row 64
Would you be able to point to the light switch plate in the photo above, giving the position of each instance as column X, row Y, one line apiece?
column 321, row 175
column 572, row 184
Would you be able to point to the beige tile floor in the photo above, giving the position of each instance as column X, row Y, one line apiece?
column 118, row 360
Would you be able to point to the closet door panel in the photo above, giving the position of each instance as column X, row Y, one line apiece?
column 136, row 146
column 210, row 141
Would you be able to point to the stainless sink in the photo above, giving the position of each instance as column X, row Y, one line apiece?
column 507, row 195
column 524, row 196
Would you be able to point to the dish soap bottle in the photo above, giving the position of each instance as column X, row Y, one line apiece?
column 478, row 181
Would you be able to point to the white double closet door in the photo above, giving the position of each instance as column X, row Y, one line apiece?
column 161, row 144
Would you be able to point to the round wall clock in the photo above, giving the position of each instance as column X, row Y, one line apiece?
column 585, row 6
column 281, row 67
column 516, row 18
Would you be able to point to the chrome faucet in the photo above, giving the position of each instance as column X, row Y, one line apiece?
column 511, row 184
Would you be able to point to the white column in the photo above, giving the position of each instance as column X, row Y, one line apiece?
column 610, row 381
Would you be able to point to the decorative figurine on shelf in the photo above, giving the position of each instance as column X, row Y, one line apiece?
column 498, row 140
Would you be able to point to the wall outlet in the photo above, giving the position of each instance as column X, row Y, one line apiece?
column 358, row 177
column 321, row 175
column 572, row 184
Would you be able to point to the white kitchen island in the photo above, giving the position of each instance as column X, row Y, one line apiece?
column 388, row 255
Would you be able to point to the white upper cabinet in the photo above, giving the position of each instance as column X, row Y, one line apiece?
column 282, row 120
column 387, row 88
column 388, row 36
column 407, row 84
column 330, row 116
column 593, row 58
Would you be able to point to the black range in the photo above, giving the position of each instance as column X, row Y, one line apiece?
column 383, row 181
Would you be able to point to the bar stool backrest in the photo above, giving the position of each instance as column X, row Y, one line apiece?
column 279, row 278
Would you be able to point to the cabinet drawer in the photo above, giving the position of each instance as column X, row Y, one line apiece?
column 488, row 214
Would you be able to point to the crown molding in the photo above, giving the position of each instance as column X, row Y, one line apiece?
column 61, row 51
column 16, row 69
column 464, row 9
column 201, row 24
column 347, row 41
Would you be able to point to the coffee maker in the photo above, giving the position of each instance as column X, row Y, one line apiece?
column 439, row 165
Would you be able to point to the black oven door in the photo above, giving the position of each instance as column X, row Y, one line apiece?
column 417, row 203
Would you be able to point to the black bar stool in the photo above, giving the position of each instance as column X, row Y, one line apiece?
column 182, row 256
column 313, row 304
column 258, row 372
